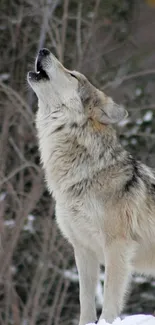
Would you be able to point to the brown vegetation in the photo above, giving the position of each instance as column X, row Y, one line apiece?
column 113, row 44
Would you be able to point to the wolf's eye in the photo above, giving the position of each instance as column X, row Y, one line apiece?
column 73, row 75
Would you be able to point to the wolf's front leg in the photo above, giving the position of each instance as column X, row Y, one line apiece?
column 117, row 271
column 88, row 269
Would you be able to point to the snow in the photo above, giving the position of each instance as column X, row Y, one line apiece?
column 30, row 226
column 9, row 223
column 148, row 116
column 4, row 76
column 99, row 295
column 138, row 92
column 139, row 121
column 2, row 196
column 13, row 269
column 130, row 320
column 124, row 122
column 133, row 141
column 139, row 279
column 71, row 275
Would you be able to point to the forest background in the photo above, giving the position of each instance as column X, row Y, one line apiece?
column 113, row 44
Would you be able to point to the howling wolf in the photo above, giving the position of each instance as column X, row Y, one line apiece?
column 105, row 198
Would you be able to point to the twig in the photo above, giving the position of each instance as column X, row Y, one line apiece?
column 29, row 203
column 48, row 12
column 43, row 271
column 78, row 31
column 56, row 297
column 64, row 28
column 91, row 30
column 15, row 307
column 16, row 149
column 57, row 37
column 151, row 106
column 17, row 170
column 61, row 302
column 118, row 81
column 144, row 134
column 19, row 102
column 8, row 296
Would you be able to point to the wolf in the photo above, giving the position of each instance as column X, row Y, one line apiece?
column 105, row 198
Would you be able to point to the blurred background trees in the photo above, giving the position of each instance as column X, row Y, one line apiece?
column 113, row 43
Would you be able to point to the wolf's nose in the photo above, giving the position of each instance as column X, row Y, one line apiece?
column 44, row 52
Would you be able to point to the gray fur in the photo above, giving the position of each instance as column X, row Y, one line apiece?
column 105, row 199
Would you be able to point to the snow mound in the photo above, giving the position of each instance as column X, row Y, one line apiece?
column 130, row 320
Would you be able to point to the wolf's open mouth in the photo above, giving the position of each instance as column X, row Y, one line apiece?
column 39, row 73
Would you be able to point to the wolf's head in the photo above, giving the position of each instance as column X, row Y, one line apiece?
column 70, row 93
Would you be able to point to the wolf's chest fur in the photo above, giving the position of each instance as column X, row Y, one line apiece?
column 77, row 160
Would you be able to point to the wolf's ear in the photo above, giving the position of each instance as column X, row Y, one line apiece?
column 112, row 113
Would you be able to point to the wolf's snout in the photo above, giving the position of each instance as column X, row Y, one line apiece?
column 44, row 52
column 41, row 55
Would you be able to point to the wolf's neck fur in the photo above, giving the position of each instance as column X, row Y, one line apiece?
column 70, row 152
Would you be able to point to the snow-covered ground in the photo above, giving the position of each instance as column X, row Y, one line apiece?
column 130, row 320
